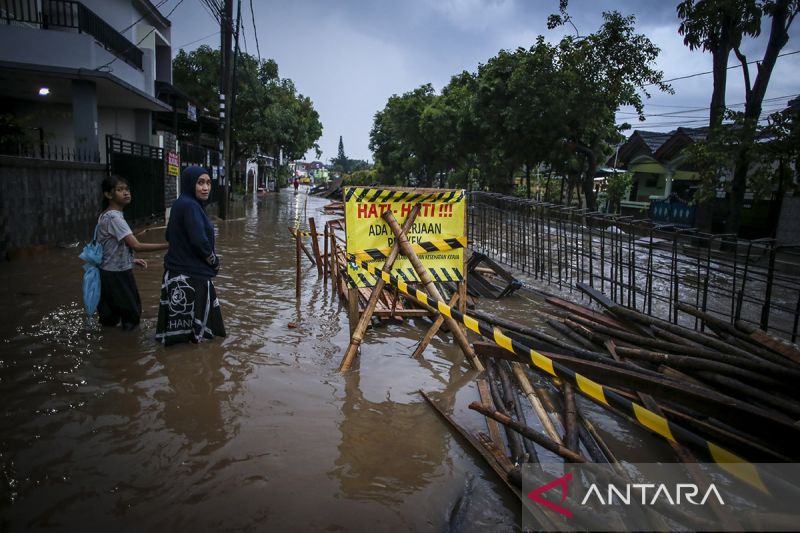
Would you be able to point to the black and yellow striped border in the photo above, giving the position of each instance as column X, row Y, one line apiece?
column 422, row 247
column 371, row 195
column 408, row 275
column 728, row 461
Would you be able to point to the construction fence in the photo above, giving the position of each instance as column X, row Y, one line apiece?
column 655, row 269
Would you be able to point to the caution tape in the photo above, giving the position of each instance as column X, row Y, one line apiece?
column 728, row 461
column 370, row 194
column 307, row 234
column 422, row 247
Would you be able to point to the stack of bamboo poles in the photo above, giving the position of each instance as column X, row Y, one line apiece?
column 734, row 385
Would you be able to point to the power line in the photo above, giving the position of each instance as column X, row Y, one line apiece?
column 161, row 3
column 200, row 39
column 255, row 31
column 711, row 71
column 142, row 39
column 771, row 102
column 244, row 37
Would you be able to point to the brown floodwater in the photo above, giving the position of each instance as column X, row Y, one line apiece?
column 107, row 430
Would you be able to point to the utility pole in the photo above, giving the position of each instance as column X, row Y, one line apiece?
column 225, row 99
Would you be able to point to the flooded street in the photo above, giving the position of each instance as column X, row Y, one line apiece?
column 109, row 430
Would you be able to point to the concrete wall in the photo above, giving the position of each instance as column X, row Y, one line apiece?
column 47, row 202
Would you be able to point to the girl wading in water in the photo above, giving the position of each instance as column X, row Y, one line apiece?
column 189, row 309
column 119, row 295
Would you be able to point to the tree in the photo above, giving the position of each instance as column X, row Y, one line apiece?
column 397, row 139
column 616, row 187
column 716, row 30
column 718, row 26
column 341, row 163
column 269, row 115
column 598, row 74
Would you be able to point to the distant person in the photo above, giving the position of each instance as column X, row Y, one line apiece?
column 296, row 185
column 190, row 310
column 119, row 295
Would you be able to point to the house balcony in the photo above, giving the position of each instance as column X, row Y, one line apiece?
column 71, row 17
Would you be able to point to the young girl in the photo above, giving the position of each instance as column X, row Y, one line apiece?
column 119, row 296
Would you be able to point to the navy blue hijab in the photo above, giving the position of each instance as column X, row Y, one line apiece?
column 189, row 178
column 189, row 231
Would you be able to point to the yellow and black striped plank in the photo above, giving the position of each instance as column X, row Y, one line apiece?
column 409, row 275
column 727, row 460
column 422, row 247
column 372, row 195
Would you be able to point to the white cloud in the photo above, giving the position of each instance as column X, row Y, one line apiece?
column 475, row 15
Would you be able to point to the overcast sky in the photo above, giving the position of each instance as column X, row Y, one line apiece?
column 350, row 56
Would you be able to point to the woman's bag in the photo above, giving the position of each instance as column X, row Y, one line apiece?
column 92, row 254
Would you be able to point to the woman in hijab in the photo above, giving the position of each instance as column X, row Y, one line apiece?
column 189, row 309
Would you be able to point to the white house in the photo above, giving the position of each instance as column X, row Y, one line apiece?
column 73, row 72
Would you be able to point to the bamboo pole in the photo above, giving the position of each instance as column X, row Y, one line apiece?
column 696, row 363
column 672, row 347
column 315, row 243
column 334, row 261
column 687, row 333
column 357, row 330
column 434, row 328
column 302, row 244
column 536, row 403
column 570, row 417
column 298, row 275
column 430, row 287
column 326, row 262
column 352, row 309
column 723, row 328
column 683, row 453
column 786, row 349
column 529, row 433
column 486, row 399
column 511, row 399
column 514, row 440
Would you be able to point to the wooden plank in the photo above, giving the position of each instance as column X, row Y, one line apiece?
column 584, row 312
column 486, row 399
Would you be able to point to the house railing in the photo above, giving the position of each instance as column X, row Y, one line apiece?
column 49, row 152
column 48, row 14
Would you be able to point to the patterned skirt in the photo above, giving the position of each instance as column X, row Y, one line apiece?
column 189, row 310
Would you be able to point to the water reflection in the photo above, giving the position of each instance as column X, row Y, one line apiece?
column 103, row 429
column 393, row 447
column 192, row 405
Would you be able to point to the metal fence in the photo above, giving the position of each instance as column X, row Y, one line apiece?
column 641, row 265
column 144, row 167
column 49, row 151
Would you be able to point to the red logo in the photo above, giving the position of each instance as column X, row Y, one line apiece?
column 562, row 482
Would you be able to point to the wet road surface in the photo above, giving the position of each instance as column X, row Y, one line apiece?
column 107, row 430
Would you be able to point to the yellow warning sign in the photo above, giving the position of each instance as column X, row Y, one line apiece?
column 440, row 220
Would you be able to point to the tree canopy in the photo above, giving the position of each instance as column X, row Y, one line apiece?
column 733, row 155
column 268, row 113
column 547, row 105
